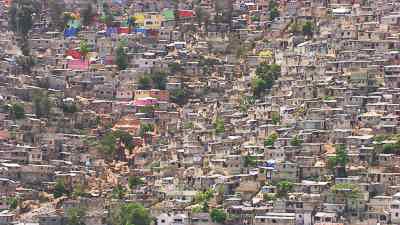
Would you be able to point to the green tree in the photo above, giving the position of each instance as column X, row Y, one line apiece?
column 351, row 190
column 269, row 197
column 208, row 61
column 308, row 29
column 144, row 83
column 203, row 196
column 263, row 70
column 332, row 163
column 146, row 127
column 41, row 104
column 250, row 160
column 159, row 80
column 84, row 48
column 255, row 18
column 272, row 4
column 346, row 192
column 284, row 187
column 75, row 216
column 246, row 102
column 108, row 144
column 179, row 96
column 121, row 58
column 107, row 19
column 296, row 141
column 258, row 86
column 26, row 62
column 219, row 126
column 266, row 74
column 118, row 192
column 275, row 118
column 59, row 189
column 273, row 13
column 12, row 202
column 341, row 155
column 129, row 214
column 295, row 28
column 134, row 181
column 220, row 194
column 218, row 215
column 79, row 191
column 197, row 209
column 270, row 140
column 149, row 109
column 107, row 16
column 125, row 137
column 380, row 138
column 175, row 67
column 339, row 161
column 329, row 98
column 275, row 70
column 17, row 111
column 205, row 207
column 273, row 10
column 20, row 16
column 70, row 108
column 390, row 148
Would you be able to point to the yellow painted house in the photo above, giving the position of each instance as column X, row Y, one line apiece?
column 139, row 19
column 152, row 20
column 148, row 20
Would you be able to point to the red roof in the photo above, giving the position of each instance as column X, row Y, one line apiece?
column 186, row 13
column 78, row 64
column 123, row 30
column 74, row 53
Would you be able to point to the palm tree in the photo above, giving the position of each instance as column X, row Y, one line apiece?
column 84, row 48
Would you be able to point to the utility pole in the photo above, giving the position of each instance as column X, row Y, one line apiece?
column 100, row 9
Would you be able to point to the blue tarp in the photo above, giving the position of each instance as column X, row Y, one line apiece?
column 70, row 32
column 271, row 163
column 130, row 21
column 111, row 30
column 141, row 30
column 119, row 2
